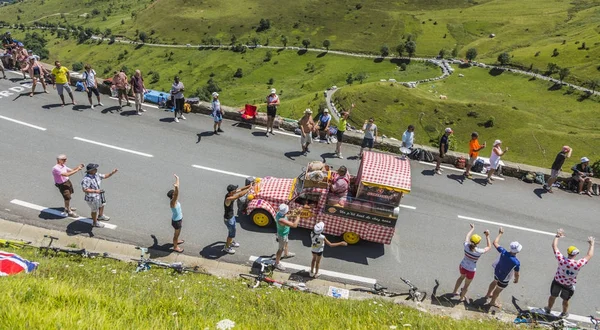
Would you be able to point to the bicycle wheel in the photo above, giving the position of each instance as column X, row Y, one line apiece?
column 251, row 280
column 371, row 291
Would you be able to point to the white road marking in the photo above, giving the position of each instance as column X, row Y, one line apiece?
column 143, row 104
column 572, row 317
column 56, row 212
column 507, row 225
column 278, row 132
column 408, row 207
column 326, row 272
column 461, row 170
column 23, row 123
column 113, row 147
column 220, row 171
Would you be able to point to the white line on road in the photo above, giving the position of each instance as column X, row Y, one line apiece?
column 507, row 225
column 22, row 123
column 326, row 272
column 572, row 317
column 56, row 212
column 278, row 131
column 461, row 170
column 143, row 104
column 220, row 171
column 113, row 147
column 408, row 207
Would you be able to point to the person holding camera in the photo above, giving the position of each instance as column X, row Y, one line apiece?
column 94, row 195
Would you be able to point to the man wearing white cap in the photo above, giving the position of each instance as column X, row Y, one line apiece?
column 566, row 273
column 559, row 161
column 283, row 230
column 582, row 174
column 217, row 113
column 506, row 266
column 307, row 126
column 272, row 103
column 443, row 150
column 318, row 241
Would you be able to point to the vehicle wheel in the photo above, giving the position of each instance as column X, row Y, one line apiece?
column 351, row 237
column 261, row 217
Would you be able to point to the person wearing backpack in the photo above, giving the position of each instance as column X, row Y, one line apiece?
column 90, row 84
column 317, row 245
column 138, row 88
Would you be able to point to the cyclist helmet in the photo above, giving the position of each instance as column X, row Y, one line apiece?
column 475, row 239
column 572, row 250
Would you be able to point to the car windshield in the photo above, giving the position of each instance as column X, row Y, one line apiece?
column 299, row 184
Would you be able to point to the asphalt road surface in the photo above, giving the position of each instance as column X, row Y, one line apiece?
column 150, row 148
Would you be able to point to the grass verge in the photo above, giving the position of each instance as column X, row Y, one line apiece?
column 75, row 293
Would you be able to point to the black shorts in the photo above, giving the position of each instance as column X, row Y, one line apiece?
column 92, row 90
column 565, row 292
column 317, row 253
column 66, row 189
column 176, row 224
column 367, row 143
column 501, row 284
column 271, row 110
column 340, row 135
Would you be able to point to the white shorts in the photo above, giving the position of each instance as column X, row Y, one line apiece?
column 306, row 139
column 95, row 204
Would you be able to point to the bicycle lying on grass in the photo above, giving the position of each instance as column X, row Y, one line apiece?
column 15, row 244
column 144, row 264
column 265, row 276
column 78, row 252
column 539, row 317
column 413, row 292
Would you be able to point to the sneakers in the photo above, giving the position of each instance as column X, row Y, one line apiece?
column 220, row 131
column 92, row 107
column 316, row 275
column 289, row 255
column 279, row 267
column 564, row 315
column 229, row 250
column 340, row 156
column 100, row 104
column 72, row 214
column 311, row 274
column 438, row 172
column 215, row 133
column 103, row 218
column 547, row 310
column 305, row 154
column 139, row 113
column 272, row 133
column 235, row 244
column 98, row 225
column 182, row 117
column 328, row 142
column 73, row 209
column 143, row 110
column 176, row 120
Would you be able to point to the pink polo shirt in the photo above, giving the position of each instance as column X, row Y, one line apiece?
column 57, row 172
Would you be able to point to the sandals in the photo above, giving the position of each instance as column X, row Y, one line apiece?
column 181, row 242
column 178, row 250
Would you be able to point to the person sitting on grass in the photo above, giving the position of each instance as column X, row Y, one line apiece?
column 582, row 174
column 318, row 241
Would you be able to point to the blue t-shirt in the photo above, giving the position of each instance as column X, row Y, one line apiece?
column 507, row 264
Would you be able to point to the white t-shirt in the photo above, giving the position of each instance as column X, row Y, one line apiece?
column 469, row 262
column 317, row 242
column 369, row 130
column 89, row 78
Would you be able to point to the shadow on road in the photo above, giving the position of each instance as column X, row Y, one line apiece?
column 260, row 133
column 481, row 181
column 51, row 106
column 50, row 216
column 204, row 134
column 129, row 113
column 213, row 251
column 167, row 119
column 428, row 172
column 110, row 109
column 79, row 227
column 539, row 192
column 158, row 251
column 450, row 300
column 457, row 177
column 359, row 253
column 292, row 154
column 80, row 107
column 326, row 155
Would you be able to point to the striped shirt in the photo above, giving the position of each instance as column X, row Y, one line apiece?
column 469, row 262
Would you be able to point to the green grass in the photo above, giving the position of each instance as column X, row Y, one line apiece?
column 73, row 293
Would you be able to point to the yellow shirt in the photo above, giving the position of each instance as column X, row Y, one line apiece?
column 60, row 75
column 342, row 124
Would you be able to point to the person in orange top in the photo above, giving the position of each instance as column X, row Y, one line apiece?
column 474, row 149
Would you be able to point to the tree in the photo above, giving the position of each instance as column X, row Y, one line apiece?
column 455, row 51
column 212, row 86
column 442, row 53
column 143, row 36
column 403, row 66
column 264, row 25
column 552, row 68
column 326, row 44
column 350, row 79
column 504, row 58
column 385, row 51
column 563, row 73
column 555, row 52
column 77, row 66
column 268, row 56
column 361, row 77
column 107, row 33
column 411, row 48
column 37, row 43
column 306, row 43
column 255, row 41
column 112, row 40
column 284, row 41
column 400, row 49
column 593, row 84
column 238, row 73
column 471, row 54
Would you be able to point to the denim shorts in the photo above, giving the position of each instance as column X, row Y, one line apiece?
column 230, row 224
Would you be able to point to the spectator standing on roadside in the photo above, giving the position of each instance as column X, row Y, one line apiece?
column 119, row 81
column 370, row 136
column 138, row 88
column 318, row 241
column 324, row 121
column 9, row 44
column 91, row 85
column 177, row 93
column 565, row 278
column 21, row 58
column 559, row 161
column 505, row 267
column 272, row 103
column 442, row 150
column 582, row 174
column 36, row 71
column 233, row 193
column 177, row 215
column 283, row 231
column 307, row 127
column 2, row 55
column 94, row 195
column 61, row 174
column 497, row 153
column 217, row 113
column 468, row 265
column 474, row 149
column 61, row 78
column 341, row 129
column 408, row 138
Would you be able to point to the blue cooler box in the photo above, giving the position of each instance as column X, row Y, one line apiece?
column 154, row 96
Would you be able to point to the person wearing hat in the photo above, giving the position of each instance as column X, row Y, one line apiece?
column 324, row 121
column 217, row 113
column 582, row 174
column 497, row 153
column 442, row 150
column 565, row 278
column 467, row 266
column 505, row 267
column 61, row 174
column 474, row 149
column 370, row 136
column 307, row 127
column 317, row 245
column 283, row 230
column 176, row 214
column 94, row 195
column 559, row 161
column 21, row 57
column 233, row 193
column 272, row 103
column 8, row 43
column 177, row 94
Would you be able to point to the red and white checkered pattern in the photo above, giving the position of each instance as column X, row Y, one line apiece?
column 386, row 170
column 273, row 191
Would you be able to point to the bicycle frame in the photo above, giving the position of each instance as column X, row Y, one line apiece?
column 144, row 263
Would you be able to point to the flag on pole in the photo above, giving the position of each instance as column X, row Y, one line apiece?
column 11, row 264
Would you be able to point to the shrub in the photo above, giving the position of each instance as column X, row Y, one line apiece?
column 596, row 169
column 77, row 66
column 490, row 122
column 155, row 78
column 473, row 114
column 403, row 66
column 238, row 73
column 271, row 81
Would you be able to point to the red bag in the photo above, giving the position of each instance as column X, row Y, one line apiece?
column 461, row 162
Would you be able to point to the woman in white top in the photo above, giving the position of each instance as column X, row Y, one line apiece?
column 468, row 264
column 495, row 159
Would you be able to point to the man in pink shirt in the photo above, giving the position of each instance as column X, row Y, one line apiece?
column 61, row 174
column 339, row 185
column 566, row 273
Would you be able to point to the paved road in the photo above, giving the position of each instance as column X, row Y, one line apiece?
column 428, row 241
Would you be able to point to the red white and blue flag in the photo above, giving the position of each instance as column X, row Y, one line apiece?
column 11, row 264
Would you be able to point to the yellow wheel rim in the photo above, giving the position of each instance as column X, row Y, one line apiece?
column 351, row 238
column 260, row 219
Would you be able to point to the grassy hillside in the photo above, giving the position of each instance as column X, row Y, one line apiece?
column 73, row 293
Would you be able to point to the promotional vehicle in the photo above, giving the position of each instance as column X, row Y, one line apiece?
column 369, row 211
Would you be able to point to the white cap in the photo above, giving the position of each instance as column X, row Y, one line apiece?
column 284, row 209
column 319, row 227
column 307, row 111
column 449, row 130
column 585, row 159
column 515, row 247
column 497, row 142
column 273, row 91
column 215, row 94
column 326, row 110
